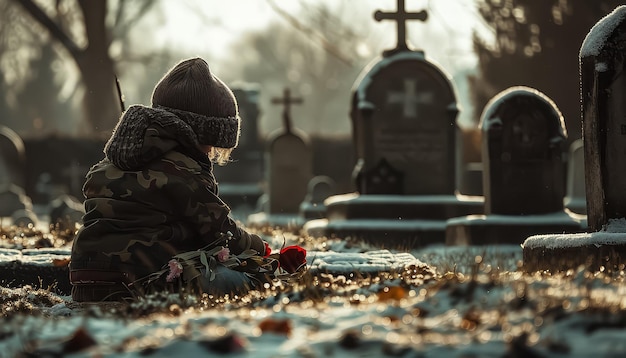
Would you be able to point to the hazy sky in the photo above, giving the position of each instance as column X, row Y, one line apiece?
column 207, row 28
column 230, row 19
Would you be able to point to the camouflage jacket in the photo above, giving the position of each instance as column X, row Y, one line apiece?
column 138, row 216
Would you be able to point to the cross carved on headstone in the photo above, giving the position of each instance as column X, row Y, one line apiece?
column 400, row 17
column 410, row 98
column 287, row 101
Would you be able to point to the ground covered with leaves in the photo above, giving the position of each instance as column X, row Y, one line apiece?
column 458, row 302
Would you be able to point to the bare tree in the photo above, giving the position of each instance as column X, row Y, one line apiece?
column 81, row 28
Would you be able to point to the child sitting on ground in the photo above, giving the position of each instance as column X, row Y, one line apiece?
column 154, row 197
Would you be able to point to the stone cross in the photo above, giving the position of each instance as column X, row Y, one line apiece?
column 287, row 101
column 400, row 17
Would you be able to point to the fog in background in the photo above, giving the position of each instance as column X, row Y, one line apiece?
column 317, row 48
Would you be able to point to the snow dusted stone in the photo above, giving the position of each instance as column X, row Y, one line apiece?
column 524, row 177
column 403, row 113
column 41, row 268
column 603, row 84
column 371, row 262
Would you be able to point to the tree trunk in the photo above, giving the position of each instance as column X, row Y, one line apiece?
column 100, row 102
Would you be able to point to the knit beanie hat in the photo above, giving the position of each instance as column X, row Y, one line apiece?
column 202, row 100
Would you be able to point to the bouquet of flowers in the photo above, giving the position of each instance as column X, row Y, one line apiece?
column 288, row 262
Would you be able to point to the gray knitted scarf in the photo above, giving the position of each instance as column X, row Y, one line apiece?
column 127, row 147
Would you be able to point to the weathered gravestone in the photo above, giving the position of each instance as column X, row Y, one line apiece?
column 319, row 189
column 524, row 172
column 240, row 182
column 66, row 213
column 14, row 202
column 575, row 199
column 603, row 96
column 289, row 161
column 12, row 158
column 403, row 115
column 44, row 268
column 57, row 166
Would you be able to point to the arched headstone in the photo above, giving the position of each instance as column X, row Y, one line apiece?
column 12, row 158
column 289, row 159
column 13, row 199
column 319, row 189
column 404, row 116
column 523, row 153
column 524, row 172
column 289, row 167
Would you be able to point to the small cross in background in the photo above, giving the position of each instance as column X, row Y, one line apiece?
column 400, row 17
column 287, row 101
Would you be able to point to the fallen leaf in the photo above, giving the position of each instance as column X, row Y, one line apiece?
column 395, row 293
column 60, row 262
column 276, row 326
column 79, row 341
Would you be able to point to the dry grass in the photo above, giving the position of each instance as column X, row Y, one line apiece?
column 470, row 299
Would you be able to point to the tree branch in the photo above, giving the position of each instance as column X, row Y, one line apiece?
column 55, row 31
column 293, row 21
column 123, row 21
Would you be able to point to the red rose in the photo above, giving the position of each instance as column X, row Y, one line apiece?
column 291, row 258
column 268, row 249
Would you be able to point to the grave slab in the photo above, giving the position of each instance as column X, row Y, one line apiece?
column 41, row 268
column 523, row 178
column 368, row 263
column 603, row 86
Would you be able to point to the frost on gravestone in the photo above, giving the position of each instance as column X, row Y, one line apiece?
column 603, row 86
column 523, row 147
column 404, row 123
